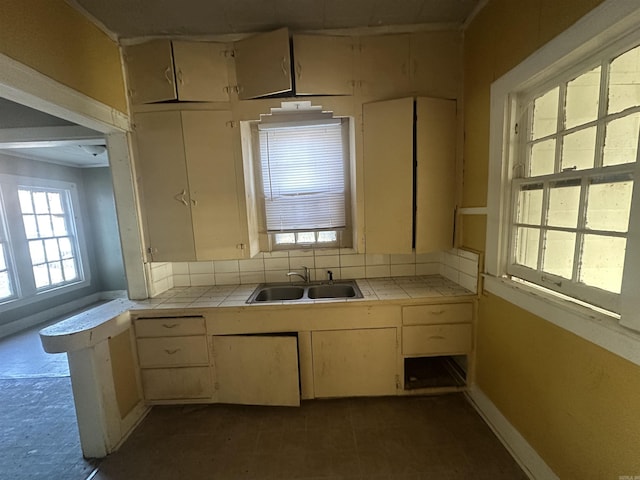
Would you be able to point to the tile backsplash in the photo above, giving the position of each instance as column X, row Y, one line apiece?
column 457, row 265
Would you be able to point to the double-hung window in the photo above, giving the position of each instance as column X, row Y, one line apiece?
column 573, row 179
column 303, row 172
column 41, row 251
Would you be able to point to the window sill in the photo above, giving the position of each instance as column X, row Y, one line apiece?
column 14, row 303
column 596, row 327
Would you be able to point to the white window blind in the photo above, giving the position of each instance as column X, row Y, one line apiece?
column 303, row 176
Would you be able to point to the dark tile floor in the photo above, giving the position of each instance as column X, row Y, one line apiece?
column 413, row 438
column 38, row 429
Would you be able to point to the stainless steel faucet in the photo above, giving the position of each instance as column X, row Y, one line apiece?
column 306, row 276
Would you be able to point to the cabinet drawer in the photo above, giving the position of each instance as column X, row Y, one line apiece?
column 172, row 351
column 169, row 327
column 436, row 339
column 176, row 383
column 432, row 314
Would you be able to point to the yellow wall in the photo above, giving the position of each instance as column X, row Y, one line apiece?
column 51, row 37
column 574, row 402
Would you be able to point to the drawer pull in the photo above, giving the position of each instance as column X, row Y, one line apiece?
column 169, row 325
column 172, row 351
column 436, row 337
column 436, row 312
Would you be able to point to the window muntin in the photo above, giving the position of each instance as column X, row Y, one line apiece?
column 47, row 219
column 303, row 172
column 573, row 197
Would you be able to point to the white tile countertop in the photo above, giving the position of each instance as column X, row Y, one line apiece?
column 393, row 288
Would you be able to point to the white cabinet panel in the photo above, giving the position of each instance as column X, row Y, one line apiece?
column 323, row 65
column 150, row 72
column 354, row 362
column 201, row 71
column 436, row 339
column 433, row 314
column 176, row 383
column 169, row 327
column 263, row 64
column 173, row 351
column 256, row 370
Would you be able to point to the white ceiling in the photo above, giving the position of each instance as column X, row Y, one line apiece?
column 137, row 18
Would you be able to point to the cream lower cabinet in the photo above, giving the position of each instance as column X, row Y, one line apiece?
column 190, row 186
column 256, row 369
column 174, row 359
column 349, row 363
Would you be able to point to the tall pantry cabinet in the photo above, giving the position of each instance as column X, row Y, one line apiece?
column 189, row 185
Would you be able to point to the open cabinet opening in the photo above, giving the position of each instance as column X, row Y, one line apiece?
column 433, row 372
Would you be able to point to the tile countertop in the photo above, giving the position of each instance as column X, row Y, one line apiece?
column 393, row 288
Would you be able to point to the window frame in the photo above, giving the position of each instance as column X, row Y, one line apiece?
column 343, row 235
column 612, row 25
column 24, row 283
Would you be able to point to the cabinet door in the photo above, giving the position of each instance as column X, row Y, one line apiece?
column 435, row 174
column 256, row 370
column 164, row 185
column 323, row 65
column 384, row 66
column 213, row 183
column 201, row 71
column 150, row 72
column 176, row 383
column 350, row 363
column 263, row 65
column 388, row 176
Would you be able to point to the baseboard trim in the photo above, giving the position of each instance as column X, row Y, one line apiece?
column 523, row 453
column 46, row 316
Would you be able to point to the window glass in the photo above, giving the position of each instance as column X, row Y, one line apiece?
column 621, row 140
column 624, row 81
column 578, row 149
column 527, row 243
column 542, row 158
column 564, row 201
column 582, row 98
column 608, row 206
column 558, row 253
column 545, row 114
column 603, row 262
column 530, row 205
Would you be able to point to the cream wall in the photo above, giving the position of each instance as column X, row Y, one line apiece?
column 54, row 39
column 575, row 403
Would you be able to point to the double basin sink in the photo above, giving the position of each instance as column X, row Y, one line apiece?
column 266, row 293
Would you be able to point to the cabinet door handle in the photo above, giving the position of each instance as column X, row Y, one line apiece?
column 436, row 337
column 167, row 75
column 194, row 202
column 169, row 325
column 436, row 312
column 171, row 351
column 180, row 77
column 283, row 64
column 180, row 197
column 298, row 70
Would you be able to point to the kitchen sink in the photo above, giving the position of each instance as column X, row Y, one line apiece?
column 336, row 290
column 266, row 293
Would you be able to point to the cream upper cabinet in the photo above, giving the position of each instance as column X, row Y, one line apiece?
column 384, row 66
column 324, row 65
column 256, row 370
column 218, row 229
column 435, row 174
column 165, row 189
column 162, row 70
column 190, row 185
column 359, row 362
column 263, row 64
column 388, row 174
column 409, row 166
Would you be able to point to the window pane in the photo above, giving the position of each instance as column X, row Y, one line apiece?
column 602, row 262
column 624, row 81
column 44, row 226
column 5, row 285
column 558, row 253
column 621, row 140
column 66, row 249
column 36, row 249
column 70, row 271
column 25, row 201
column 284, row 238
column 41, row 275
column 527, row 242
column 40, row 202
column 608, row 206
column 3, row 262
column 325, row 237
column 51, row 247
column 59, row 225
column 55, row 271
column 545, row 114
column 30, row 227
column 306, row 237
column 530, row 205
column 578, row 149
column 542, row 158
column 582, row 99
column 55, row 202
column 563, row 206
